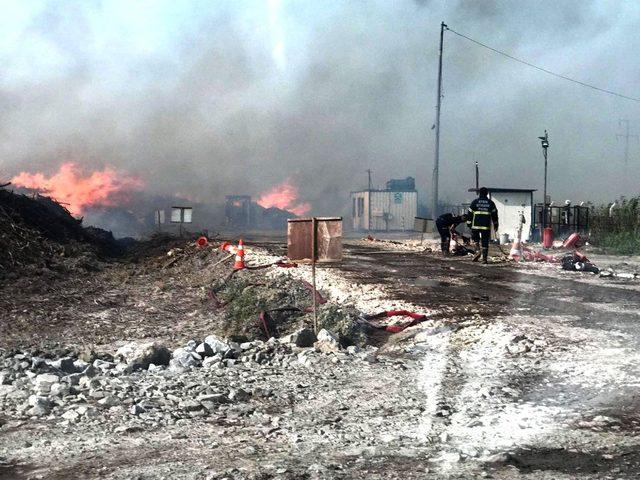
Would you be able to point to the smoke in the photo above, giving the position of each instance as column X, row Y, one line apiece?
column 236, row 97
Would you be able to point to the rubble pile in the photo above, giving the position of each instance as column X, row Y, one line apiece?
column 145, row 385
column 243, row 305
column 36, row 230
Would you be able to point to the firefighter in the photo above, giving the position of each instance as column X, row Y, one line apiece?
column 482, row 213
column 446, row 225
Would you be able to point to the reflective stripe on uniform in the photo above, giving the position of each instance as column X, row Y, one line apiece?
column 478, row 227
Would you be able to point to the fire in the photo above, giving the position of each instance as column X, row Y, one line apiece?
column 284, row 196
column 77, row 191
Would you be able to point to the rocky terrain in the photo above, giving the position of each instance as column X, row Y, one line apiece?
column 212, row 410
column 165, row 364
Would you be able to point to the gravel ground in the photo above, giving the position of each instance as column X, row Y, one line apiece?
column 518, row 371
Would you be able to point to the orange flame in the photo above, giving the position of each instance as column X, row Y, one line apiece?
column 284, row 196
column 78, row 191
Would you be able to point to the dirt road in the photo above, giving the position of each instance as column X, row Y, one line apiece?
column 585, row 331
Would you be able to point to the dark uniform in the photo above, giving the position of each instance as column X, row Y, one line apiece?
column 445, row 223
column 482, row 213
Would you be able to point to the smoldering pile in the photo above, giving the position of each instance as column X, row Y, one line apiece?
column 38, row 231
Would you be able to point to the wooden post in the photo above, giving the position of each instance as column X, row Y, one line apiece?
column 314, row 256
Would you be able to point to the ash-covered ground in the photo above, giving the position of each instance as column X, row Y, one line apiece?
column 163, row 364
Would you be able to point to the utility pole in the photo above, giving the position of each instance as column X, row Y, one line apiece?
column 477, row 177
column 436, row 160
column 545, row 145
column 626, row 136
column 368, row 170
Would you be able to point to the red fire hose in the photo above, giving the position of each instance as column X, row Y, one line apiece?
column 279, row 263
column 263, row 318
column 215, row 300
column 320, row 300
column 416, row 319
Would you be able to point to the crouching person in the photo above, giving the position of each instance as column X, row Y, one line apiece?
column 446, row 225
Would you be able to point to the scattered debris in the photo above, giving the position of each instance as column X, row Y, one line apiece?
column 578, row 263
column 613, row 273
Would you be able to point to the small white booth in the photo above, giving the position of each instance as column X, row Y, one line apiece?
column 511, row 202
column 384, row 210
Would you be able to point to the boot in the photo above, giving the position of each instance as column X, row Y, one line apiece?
column 485, row 254
column 444, row 246
column 476, row 257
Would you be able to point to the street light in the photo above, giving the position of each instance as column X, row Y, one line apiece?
column 545, row 145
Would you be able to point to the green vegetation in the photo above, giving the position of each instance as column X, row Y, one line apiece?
column 620, row 231
column 287, row 301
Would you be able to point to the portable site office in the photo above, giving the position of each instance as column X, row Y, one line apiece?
column 511, row 202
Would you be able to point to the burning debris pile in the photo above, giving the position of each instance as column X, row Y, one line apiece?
column 242, row 213
column 284, row 196
column 37, row 231
column 106, row 198
column 269, row 212
column 69, row 185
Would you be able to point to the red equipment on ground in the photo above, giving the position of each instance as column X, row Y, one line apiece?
column 571, row 241
column 202, row 242
column 547, row 237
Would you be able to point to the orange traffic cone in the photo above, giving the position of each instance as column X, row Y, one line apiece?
column 227, row 247
column 239, row 263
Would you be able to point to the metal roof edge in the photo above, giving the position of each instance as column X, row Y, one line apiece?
column 497, row 189
column 384, row 190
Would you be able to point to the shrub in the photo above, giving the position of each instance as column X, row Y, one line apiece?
column 620, row 231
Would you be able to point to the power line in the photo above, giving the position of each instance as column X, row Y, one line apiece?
column 544, row 69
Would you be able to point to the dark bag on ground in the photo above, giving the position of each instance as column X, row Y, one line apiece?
column 574, row 263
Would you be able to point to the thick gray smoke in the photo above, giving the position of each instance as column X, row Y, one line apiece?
column 206, row 99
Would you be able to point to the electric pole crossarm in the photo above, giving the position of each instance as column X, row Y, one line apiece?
column 626, row 136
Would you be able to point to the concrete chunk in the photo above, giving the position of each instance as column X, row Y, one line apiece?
column 139, row 356
column 303, row 338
